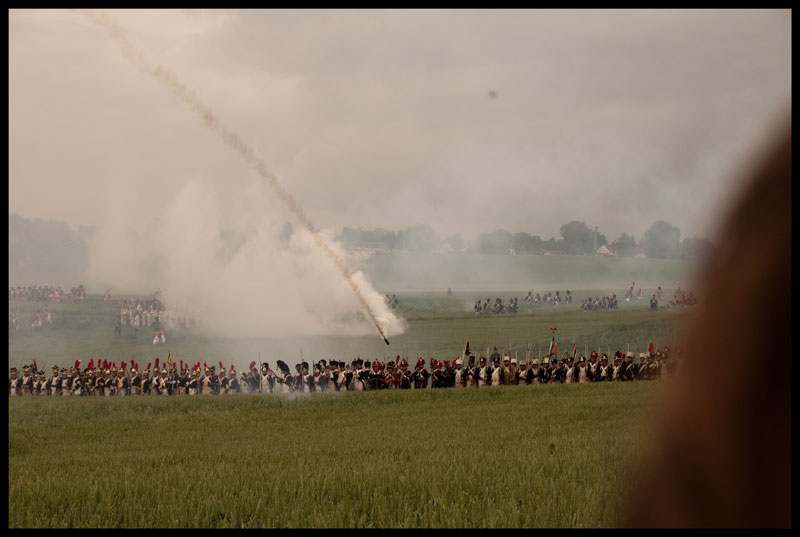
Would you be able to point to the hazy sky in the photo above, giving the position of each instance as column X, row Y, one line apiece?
column 385, row 119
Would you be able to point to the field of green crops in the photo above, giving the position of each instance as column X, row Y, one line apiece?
column 541, row 456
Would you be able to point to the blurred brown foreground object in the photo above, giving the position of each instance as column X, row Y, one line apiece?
column 725, row 439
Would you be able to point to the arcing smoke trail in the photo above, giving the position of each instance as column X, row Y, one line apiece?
column 138, row 59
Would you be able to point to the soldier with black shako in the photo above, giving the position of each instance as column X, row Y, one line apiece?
column 14, row 383
column 544, row 375
column 421, row 375
column 405, row 376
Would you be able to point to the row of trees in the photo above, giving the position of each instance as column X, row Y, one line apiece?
column 39, row 249
column 661, row 240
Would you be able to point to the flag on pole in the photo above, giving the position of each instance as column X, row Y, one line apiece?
column 553, row 346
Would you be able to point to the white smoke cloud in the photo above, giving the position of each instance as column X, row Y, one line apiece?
column 196, row 210
column 219, row 251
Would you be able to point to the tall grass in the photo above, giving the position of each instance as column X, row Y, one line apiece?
column 543, row 456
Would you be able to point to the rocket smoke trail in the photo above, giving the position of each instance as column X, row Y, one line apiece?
column 141, row 62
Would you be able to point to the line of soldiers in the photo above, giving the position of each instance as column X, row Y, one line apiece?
column 37, row 292
column 110, row 381
column 336, row 376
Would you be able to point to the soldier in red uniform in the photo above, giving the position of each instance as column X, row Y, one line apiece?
column 421, row 375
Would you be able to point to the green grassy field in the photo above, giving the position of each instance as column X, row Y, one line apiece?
column 406, row 272
column 542, row 456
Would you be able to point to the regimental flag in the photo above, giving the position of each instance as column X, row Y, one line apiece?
column 466, row 349
column 574, row 349
column 169, row 358
column 553, row 345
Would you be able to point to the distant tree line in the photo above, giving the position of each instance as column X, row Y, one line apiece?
column 42, row 251
column 661, row 240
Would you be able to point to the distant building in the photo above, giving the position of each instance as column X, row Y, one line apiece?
column 603, row 250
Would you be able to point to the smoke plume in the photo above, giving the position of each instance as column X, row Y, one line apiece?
column 185, row 249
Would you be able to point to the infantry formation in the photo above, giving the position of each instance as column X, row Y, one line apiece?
column 106, row 379
column 46, row 292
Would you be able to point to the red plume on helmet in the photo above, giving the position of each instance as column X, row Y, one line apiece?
column 231, row 367
column 148, row 365
column 220, row 365
column 156, row 362
column 205, row 365
column 397, row 360
column 35, row 367
column 181, row 364
column 123, row 365
column 105, row 364
column 252, row 364
column 91, row 363
column 77, row 363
